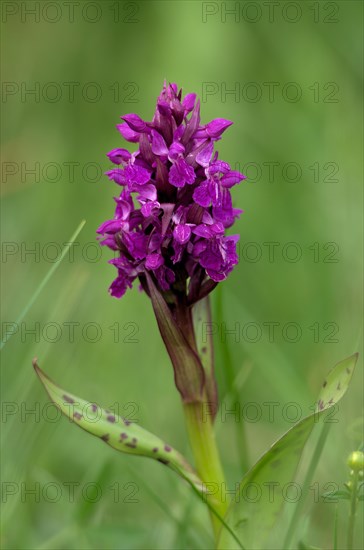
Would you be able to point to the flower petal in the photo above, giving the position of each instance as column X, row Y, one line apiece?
column 182, row 233
column 159, row 146
column 232, row 178
column 216, row 127
column 181, row 173
column 204, row 156
column 201, row 195
column 188, row 102
column 135, row 122
column 119, row 156
column 128, row 133
column 153, row 261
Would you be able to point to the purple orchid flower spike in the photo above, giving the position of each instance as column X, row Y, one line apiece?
column 170, row 222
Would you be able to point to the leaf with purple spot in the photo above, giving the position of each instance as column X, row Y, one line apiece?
column 119, row 433
column 253, row 517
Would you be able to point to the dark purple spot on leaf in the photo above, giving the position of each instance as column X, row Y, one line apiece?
column 123, row 436
column 132, row 445
column 204, row 349
column 77, row 415
column 127, row 422
column 167, row 448
column 105, row 437
column 155, row 450
column 321, row 405
column 110, row 418
column 68, row 399
column 94, row 407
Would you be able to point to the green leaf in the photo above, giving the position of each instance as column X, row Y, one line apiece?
column 259, row 498
column 201, row 314
column 121, row 434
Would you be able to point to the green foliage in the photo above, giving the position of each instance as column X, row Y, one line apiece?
column 255, row 509
column 121, row 434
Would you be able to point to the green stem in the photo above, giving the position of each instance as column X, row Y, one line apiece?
column 207, row 459
column 354, row 496
column 201, row 433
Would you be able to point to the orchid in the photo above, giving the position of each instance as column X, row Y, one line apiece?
column 170, row 233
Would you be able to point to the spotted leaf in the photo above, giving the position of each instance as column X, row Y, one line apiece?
column 260, row 495
column 119, row 433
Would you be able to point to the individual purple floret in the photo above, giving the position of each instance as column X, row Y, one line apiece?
column 175, row 202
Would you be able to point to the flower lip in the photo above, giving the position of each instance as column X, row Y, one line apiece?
column 153, row 261
column 182, row 233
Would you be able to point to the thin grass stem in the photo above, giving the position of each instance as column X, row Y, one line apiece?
column 44, row 282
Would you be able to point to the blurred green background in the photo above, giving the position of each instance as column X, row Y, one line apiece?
column 295, row 70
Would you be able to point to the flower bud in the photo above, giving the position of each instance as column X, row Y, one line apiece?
column 356, row 461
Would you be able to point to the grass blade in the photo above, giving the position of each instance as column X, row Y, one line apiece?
column 44, row 281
